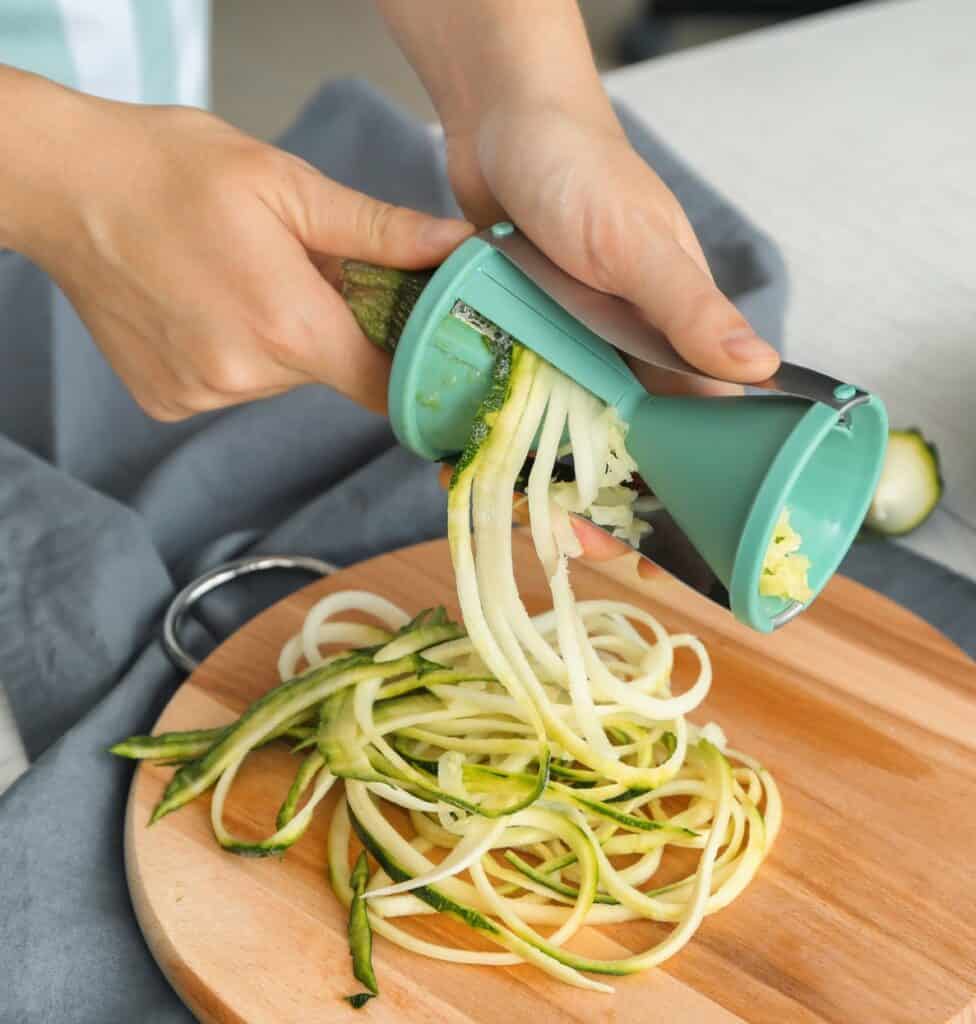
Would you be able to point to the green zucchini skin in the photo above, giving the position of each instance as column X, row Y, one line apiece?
column 360, row 933
column 430, row 894
column 381, row 299
column 474, row 919
column 359, row 1000
column 349, row 756
column 430, row 674
column 628, row 821
column 417, row 640
column 283, row 702
column 309, row 768
column 543, row 878
column 173, row 747
column 507, row 354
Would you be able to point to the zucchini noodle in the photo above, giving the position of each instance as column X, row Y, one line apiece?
column 526, row 776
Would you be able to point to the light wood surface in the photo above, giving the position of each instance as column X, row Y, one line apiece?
column 865, row 911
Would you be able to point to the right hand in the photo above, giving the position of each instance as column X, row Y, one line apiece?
column 568, row 177
column 198, row 257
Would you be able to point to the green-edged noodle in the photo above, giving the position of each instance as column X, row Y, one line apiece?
column 360, row 933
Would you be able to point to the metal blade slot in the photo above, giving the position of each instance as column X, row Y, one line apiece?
column 470, row 316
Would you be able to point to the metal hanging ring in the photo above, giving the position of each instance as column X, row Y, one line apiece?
column 217, row 577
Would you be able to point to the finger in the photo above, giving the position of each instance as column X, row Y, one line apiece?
column 681, row 300
column 664, row 382
column 667, row 382
column 330, row 218
column 646, row 569
column 342, row 357
column 314, row 336
column 598, row 545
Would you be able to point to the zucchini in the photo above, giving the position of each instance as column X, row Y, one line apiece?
column 169, row 747
column 507, row 355
column 543, row 878
column 309, row 768
column 264, row 716
column 537, row 951
column 360, row 934
column 910, row 486
column 180, row 747
column 359, row 999
column 285, row 835
column 784, row 569
column 381, row 299
column 429, row 628
column 529, row 753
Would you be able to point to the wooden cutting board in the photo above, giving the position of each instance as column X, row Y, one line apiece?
column 865, row 912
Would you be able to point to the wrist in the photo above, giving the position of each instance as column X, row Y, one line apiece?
column 504, row 129
column 40, row 120
column 529, row 95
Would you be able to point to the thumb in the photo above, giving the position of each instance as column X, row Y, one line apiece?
column 680, row 298
column 330, row 218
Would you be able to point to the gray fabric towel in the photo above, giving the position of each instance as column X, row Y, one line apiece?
column 103, row 514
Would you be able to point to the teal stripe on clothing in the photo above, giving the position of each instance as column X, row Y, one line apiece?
column 33, row 38
column 157, row 52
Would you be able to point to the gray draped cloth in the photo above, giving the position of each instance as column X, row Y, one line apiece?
column 104, row 514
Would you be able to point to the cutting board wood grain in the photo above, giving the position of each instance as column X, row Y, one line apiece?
column 865, row 912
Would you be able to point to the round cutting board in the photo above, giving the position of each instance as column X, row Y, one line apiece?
column 865, row 911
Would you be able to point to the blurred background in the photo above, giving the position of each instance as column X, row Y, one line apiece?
column 267, row 62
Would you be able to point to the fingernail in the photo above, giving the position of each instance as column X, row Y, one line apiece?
column 746, row 346
column 441, row 234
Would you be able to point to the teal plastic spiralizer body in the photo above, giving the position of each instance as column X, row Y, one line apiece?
column 724, row 468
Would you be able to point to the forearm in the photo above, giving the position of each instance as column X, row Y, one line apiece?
column 475, row 56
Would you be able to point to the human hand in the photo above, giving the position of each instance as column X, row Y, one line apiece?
column 532, row 138
column 573, row 184
column 571, row 181
column 199, row 257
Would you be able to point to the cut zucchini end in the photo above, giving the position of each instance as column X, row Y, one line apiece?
column 381, row 299
column 910, row 486
column 360, row 999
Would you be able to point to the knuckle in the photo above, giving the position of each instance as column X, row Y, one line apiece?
column 605, row 240
column 619, row 238
column 697, row 314
column 287, row 348
column 224, row 376
column 202, row 399
column 287, row 333
column 251, row 162
column 375, row 221
column 160, row 409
